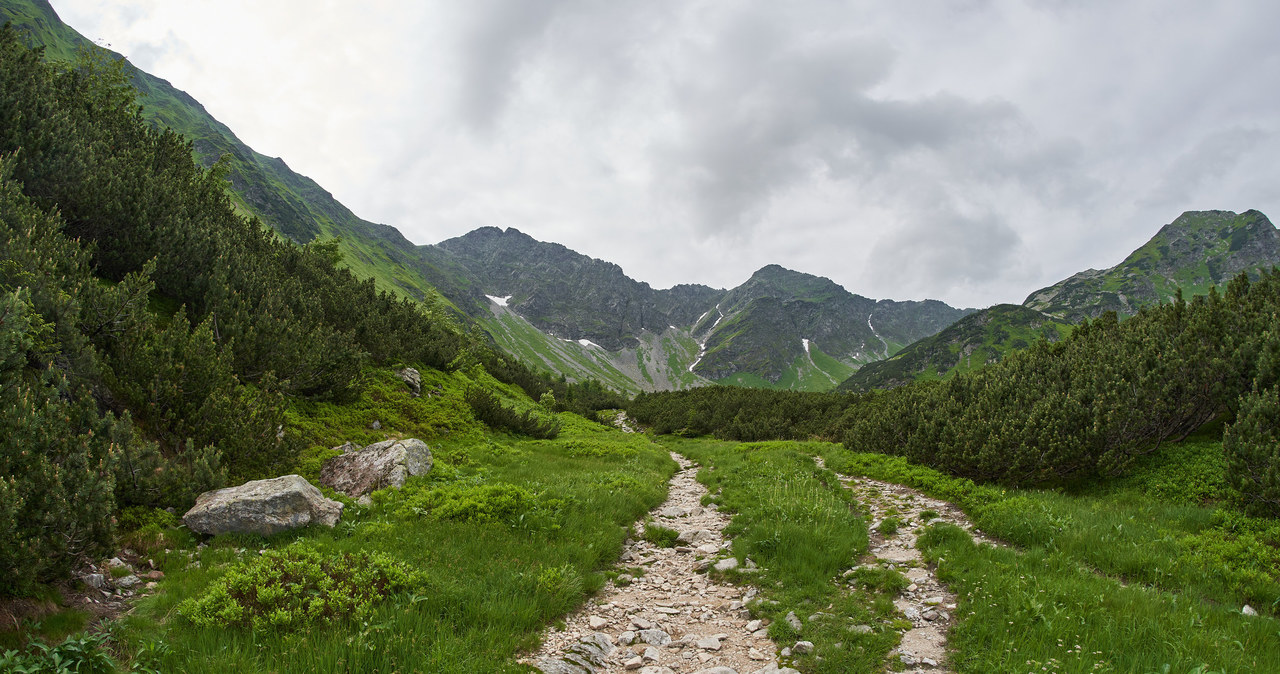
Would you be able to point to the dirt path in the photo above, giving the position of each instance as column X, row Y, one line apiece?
column 927, row 603
column 668, row 617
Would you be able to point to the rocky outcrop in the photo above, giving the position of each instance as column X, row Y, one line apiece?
column 413, row 379
column 380, row 465
column 263, row 507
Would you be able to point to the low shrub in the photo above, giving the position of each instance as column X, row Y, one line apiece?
column 83, row 654
column 297, row 586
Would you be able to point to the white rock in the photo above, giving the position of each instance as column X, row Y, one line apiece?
column 727, row 564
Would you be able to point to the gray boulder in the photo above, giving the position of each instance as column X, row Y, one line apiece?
column 263, row 507
column 383, row 464
column 413, row 379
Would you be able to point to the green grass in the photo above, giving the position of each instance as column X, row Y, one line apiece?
column 801, row 527
column 1141, row 572
column 492, row 577
column 1040, row 611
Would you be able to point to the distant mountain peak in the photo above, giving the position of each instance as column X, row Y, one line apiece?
column 1197, row 250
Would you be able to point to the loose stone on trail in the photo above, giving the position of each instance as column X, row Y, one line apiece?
column 672, row 617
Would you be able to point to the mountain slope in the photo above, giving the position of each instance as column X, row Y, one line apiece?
column 292, row 204
column 778, row 317
column 970, row 343
column 1197, row 250
column 780, row 329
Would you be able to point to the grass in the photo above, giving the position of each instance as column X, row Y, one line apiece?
column 504, row 536
column 1130, row 576
column 803, row 530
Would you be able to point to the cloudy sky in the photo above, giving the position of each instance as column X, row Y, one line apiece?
column 970, row 151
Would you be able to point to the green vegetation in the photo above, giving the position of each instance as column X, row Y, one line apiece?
column 297, row 586
column 748, row 414
column 968, row 344
column 660, row 536
column 486, row 551
column 796, row 522
column 1252, row 446
column 1120, row 573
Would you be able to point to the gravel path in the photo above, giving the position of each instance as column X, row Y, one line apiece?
column 671, row 618
column 927, row 603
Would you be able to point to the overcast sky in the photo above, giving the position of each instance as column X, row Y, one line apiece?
column 969, row 151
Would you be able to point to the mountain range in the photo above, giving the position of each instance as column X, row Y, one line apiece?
column 584, row 318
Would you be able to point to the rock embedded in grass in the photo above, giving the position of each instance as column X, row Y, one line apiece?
column 262, row 507
column 380, row 465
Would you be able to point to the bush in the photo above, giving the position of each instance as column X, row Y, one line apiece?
column 487, row 408
column 476, row 503
column 84, row 654
column 297, row 586
column 1252, row 448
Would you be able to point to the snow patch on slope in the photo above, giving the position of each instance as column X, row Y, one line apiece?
column 702, row 346
column 500, row 301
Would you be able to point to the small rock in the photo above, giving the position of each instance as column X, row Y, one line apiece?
column 1248, row 610
column 727, row 564
column 708, row 644
column 654, row 637
column 786, row 652
column 95, row 580
column 128, row 582
column 595, row 622
column 794, row 622
column 802, row 647
column 626, row 638
column 634, row 663
column 756, row 655
column 934, row 601
column 930, row 615
column 860, row 629
column 640, row 623
column 651, row 654
column 753, row 625
column 717, row 670
column 376, row 425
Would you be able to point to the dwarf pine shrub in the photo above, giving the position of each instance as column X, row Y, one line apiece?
column 1252, row 448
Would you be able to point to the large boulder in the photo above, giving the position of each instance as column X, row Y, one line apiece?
column 384, row 464
column 262, row 507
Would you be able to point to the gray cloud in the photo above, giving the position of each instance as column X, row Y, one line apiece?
column 1211, row 159
column 969, row 150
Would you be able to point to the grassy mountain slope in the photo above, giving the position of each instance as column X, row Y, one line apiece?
column 292, row 204
column 1197, row 250
column 969, row 343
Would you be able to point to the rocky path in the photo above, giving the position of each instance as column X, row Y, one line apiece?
column 663, row 615
column 927, row 603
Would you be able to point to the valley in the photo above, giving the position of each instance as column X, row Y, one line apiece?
column 244, row 430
